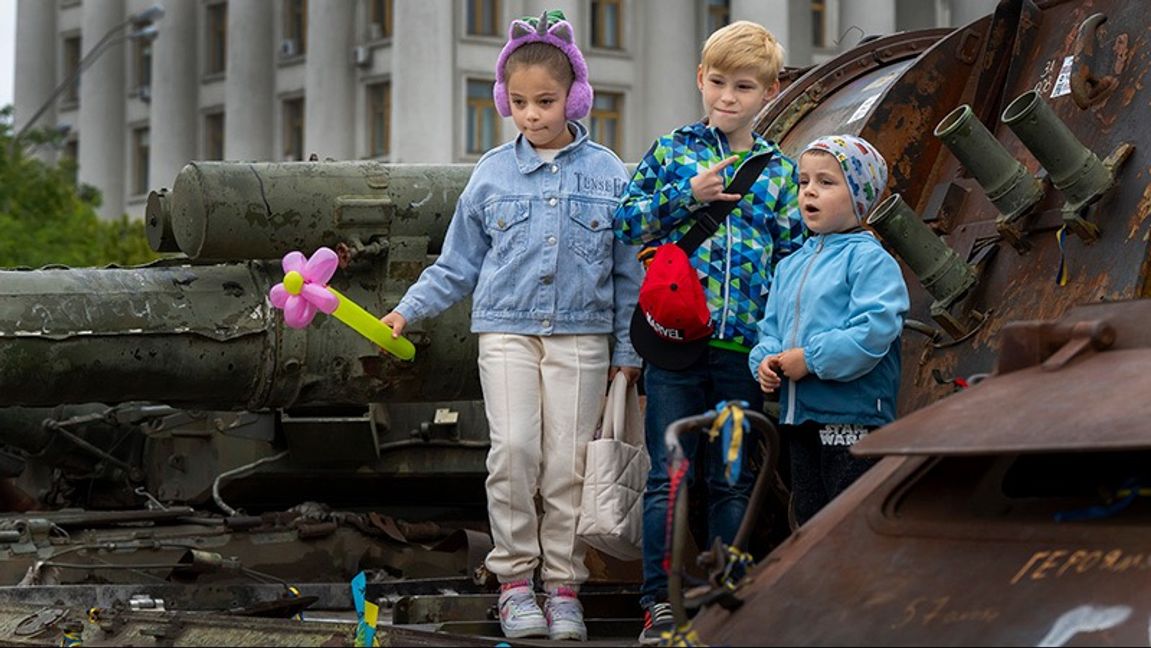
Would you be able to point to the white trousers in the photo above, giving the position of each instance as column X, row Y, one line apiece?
column 543, row 397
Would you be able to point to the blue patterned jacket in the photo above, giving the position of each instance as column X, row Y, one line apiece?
column 737, row 262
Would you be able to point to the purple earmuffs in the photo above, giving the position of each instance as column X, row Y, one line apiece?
column 560, row 35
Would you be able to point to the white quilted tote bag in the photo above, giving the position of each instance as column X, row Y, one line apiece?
column 615, row 473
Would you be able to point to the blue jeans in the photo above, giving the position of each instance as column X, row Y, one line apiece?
column 671, row 395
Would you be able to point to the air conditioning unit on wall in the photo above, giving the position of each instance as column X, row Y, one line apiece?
column 288, row 48
column 362, row 56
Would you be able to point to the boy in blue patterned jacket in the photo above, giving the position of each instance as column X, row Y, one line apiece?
column 683, row 171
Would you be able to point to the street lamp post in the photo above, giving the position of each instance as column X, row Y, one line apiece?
column 145, row 30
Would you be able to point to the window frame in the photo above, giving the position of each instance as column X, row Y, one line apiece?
column 71, row 97
column 819, row 24
column 386, row 21
column 209, row 116
column 142, row 73
column 598, row 13
column 382, row 108
column 212, row 29
column 286, row 126
column 296, row 31
column 616, row 113
column 141, row 141
column 713, row 13
column 473, row 122
column 473, row 14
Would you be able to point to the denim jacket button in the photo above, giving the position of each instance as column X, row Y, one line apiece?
column 546, row 280
column 546, row 323
column 552, row 201
column 555, row 168
column 594, row 224
column 551, row 240
column 500, row 223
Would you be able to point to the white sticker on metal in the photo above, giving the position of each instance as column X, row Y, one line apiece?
column 863, row 108
column 1063, row 81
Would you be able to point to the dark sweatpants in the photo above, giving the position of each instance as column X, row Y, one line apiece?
column 822, row 465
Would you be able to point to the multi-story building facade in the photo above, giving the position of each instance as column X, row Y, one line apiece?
column 397, row 80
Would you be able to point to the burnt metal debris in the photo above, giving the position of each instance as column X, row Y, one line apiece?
column 169, row 449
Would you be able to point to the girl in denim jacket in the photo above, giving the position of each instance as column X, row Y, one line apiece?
column 534, row 206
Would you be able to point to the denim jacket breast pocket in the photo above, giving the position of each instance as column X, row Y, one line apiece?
column 590, row 233
column 506, row 222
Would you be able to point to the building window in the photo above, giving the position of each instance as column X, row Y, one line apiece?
column 140, row 149
column 819, row 23
column 294, row 129
column 217, row 49
column 607, row 119
column 718, row 14
column 70, row 158
column 214, row 136
column 71, row 65
column 483, row 120
column 380, row 18
column 483, row 17
column 295, row 41
column 142, row 59
column 607, row 24
column 379, row 119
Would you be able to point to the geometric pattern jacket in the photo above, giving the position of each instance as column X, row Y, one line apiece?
column 736, row 263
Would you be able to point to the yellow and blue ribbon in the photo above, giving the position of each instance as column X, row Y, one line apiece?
column 1062, row 275
column 732, row 427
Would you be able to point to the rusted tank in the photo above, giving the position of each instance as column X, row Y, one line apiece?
column 1007, row 507
column 196, row 332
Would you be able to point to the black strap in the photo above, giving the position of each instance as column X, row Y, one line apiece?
column 711, row 215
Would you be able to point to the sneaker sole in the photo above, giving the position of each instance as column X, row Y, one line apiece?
column 576, row 634
column 524, row 633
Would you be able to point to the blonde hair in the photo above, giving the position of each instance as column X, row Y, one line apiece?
column 744, row 45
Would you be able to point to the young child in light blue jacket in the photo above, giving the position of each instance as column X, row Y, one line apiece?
column 830, row 335
column 534, row 208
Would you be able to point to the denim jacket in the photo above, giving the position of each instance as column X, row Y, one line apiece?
column 841, row 298
column 519, row 224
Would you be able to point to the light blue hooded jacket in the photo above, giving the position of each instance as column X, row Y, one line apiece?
column 841, row 298
column 531, row 242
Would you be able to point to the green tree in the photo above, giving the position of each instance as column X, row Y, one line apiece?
column 45, row 220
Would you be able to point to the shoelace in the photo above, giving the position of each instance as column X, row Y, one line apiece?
column 565, row 608
column 661, row 614
column 522, row 604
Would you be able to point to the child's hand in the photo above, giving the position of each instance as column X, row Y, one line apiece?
column 768, row 379
column 708, row 184
column 792, row 363
column 396, row 321
column 631, row 373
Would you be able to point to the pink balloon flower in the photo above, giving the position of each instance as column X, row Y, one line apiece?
column 304, row 289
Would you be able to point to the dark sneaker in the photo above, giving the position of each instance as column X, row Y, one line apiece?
column 565, row 615
column 658, row 620
column 520, row 615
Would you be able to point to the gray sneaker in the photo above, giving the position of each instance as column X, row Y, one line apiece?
column 658, row 620
column 520, row 615
column 565, row 615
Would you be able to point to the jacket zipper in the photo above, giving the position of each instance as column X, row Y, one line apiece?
column 795, row 328
column 727, row 238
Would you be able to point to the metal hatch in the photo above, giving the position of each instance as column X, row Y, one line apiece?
column 1079, row 384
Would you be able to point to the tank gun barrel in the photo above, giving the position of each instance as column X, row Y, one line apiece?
column 232, row 210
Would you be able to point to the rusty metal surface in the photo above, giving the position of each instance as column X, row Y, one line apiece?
column 1008, row 513
column 1056, row 416
column 923, row 552
column 1018, row 286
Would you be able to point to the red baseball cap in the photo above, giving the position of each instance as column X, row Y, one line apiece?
column 671, row 325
